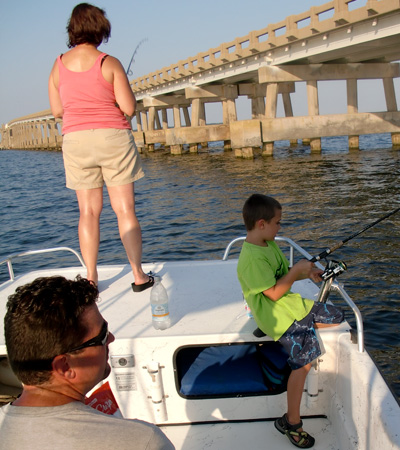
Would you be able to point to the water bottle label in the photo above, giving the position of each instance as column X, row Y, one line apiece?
column 248, row 310
column 159, row 312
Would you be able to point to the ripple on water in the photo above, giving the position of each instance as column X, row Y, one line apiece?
column 189, row 207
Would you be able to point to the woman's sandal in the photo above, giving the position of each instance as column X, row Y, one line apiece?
column 284, row 427
column 142, row 287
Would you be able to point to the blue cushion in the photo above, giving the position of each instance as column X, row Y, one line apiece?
column 224, row 370
column 273, row 361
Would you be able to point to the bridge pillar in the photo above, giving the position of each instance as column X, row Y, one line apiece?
column 38, row 135
column 287, row 105
column 31, row 134
column 229, row 113
column 257, row 107
column 245, row 137
column 138, row 121
column 260, row 108
column 203, row 121
column 145, row 127
column 176, row 149
column 5, row 137
column 14, row 136
column 25, row 136
column 313, row 110
column 198, row 115
column 391, row 105
column 352, row 108
column 53, row 132
column 152, row 113
column 44, row 133
column 226, row 94
column 139, row 134
column 143, row 119
column 272, row 91
column 154, row 119
column 396, row 140
column 164, row 117
column 256, row 94
column 271, row 102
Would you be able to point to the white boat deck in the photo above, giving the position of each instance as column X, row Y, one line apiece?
column 353, row 408
column 248, row 436
column 209, row 303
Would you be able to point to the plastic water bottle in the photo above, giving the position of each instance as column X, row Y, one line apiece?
column 249, row 314
column 159, row 306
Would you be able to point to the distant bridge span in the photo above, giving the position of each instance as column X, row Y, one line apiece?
column 334, row 41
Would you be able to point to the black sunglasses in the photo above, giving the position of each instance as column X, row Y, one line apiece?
column 100, row 339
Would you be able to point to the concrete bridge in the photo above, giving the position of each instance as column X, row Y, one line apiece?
column 335, row 41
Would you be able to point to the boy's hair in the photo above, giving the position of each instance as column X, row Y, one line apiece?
column 88, row 24
column 259, row 206
column 43, row 320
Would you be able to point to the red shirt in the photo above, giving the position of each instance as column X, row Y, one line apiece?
column 88, row 100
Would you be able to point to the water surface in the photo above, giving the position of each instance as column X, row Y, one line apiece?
column 189, row 207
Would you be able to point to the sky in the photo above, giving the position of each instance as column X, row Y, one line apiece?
column 33, row 33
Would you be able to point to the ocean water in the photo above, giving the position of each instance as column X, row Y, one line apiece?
column 189, row 207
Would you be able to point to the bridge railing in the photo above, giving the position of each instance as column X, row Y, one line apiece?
column 38, row 130
column 317, row 20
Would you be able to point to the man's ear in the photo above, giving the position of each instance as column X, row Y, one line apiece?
column 61, row 367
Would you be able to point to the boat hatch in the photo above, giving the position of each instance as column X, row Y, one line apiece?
column 231, row 370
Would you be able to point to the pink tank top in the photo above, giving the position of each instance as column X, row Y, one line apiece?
column 88, row 100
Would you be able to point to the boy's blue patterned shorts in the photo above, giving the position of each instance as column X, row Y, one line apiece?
column 300, row 339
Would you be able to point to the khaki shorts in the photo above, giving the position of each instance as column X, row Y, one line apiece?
column 95, row 157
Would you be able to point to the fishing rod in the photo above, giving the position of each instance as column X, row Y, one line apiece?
column 128, row 70
column 328, row 251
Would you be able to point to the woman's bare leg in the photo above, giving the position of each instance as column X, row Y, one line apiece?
column 90, row 205
column 122, row 200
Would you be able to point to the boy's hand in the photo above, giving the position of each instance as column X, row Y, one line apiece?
column 306, row 269
column 301, row 270
column 315, row 274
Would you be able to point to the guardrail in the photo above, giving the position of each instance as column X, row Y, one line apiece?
column 10, row 258
column 317, row 20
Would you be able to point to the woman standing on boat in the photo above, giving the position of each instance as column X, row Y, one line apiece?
column 90, row 91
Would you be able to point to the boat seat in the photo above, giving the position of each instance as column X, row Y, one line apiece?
column 231, row 370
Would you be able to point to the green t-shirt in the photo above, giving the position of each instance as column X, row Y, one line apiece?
column 258, row 270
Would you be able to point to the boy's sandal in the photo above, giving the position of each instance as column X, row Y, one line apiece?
column 304, row 440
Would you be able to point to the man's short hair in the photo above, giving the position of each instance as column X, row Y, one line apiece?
column 257, row 207
column 43, row 320
column 88, row 24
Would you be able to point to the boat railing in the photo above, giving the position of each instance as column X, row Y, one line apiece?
column 10, row 258
column 336, row 287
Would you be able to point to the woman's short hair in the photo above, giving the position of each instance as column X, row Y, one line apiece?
column 88, row 24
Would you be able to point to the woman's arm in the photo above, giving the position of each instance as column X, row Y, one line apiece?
column 115, row 74
column 54, row 96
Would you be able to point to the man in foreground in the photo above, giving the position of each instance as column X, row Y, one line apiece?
column 57, row 343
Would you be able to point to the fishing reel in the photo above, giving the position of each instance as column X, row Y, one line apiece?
column 332, row 270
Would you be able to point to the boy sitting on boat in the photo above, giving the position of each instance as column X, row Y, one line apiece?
column 57, row 344
column 266, row 280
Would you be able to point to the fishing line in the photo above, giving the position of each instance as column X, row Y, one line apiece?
column 328, row 251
